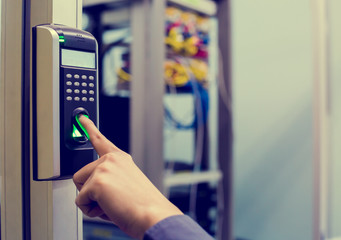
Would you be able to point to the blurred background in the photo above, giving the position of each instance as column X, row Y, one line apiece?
column 241, row 148
column 230, row 107
column 190, row 173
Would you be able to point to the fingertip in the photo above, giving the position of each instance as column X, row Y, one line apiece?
column 88, row 125
column 84, row 120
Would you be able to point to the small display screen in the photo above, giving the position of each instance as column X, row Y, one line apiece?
column 78, row 58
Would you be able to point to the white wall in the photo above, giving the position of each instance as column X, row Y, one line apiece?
column 272, row 93
column 334, row 196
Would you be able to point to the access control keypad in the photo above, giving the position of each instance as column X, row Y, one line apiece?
column 78, row 89
column 80, row 85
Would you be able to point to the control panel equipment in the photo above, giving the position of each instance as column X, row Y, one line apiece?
column 64, row 87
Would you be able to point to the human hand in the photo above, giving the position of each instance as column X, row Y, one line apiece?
column 114, row 188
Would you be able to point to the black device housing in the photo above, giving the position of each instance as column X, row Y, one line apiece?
column 73, row 155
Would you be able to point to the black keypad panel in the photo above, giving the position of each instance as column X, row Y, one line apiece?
column 78, row 89
column 80, row 85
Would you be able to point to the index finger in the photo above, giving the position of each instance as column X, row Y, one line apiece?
column 101, row 144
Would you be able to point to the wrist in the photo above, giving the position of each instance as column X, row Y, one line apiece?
column 153, row 215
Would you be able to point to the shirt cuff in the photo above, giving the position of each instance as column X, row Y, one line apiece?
column 176, row 228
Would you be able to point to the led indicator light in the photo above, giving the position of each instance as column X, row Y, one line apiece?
column 61, row 39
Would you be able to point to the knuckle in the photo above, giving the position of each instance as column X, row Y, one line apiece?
column 103, row 167
column 118, row 156
column 74, row 178
column 110, row 157
column 129, row 157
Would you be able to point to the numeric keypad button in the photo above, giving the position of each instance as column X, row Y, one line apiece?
column 76, row 91
column 84, row 99
column 91, row 78
column 68, row 98
column 77, row 99
column 91, row 85
column 69, row 83
column 76, row 76
column 68, row 90
column 69, row 75
column 92, row 92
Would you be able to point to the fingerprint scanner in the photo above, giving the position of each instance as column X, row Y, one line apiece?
column 79, row 133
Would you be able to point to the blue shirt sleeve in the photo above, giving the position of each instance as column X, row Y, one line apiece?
column 176, row 228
